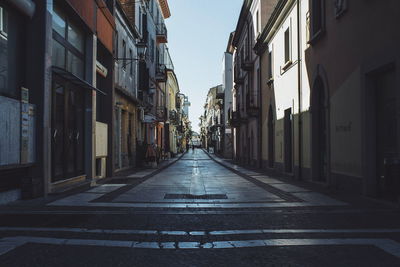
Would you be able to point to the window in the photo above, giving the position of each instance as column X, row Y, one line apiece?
column 123, row 54
column 258, row 22
column 75, row 37
column 68, row 44
column 317, row 19
column 59, row 22
column 3, row 23
column 116, row 48
column 152, row 47
column 270, row 65
column 58, row 56
column 75, row 64
column 139, row 21
column 340, row 7
column 287, row 46
column 131, row 63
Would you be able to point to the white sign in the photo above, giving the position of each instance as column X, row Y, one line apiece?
column 100, row 69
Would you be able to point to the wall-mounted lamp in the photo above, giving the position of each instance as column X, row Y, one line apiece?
column 141, row 49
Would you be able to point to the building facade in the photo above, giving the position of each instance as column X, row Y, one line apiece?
column 227, row 84
column 354, row 108
column 212, row 120
column 173, row 115
column 329, row 112
column 79, row 95
column 126, row 103
column 54, row 95
column 19, row 98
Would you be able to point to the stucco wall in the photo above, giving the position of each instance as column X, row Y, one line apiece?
column 346, row 127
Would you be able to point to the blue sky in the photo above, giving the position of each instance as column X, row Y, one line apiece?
column 198, row 32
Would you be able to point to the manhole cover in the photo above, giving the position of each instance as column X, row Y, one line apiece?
column 190, row 196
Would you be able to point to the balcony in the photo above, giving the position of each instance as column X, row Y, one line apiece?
column 161, row 113
column 162, row 33
column 161, row 73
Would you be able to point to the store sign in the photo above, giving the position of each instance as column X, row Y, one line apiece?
column 100, row 69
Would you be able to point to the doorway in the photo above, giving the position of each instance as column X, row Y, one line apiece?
column 67, row 131
column 319, row 132
column 288, row 141
column 271, row 138
column 387, row 137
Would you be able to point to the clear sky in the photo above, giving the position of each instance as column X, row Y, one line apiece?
column 198, row 32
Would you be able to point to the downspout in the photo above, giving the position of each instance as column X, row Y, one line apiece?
column 299, row 68
column 259, row 82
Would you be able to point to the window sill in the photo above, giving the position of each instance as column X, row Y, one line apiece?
column 287, row 65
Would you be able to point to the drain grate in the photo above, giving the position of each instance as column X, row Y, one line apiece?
column 190, row 196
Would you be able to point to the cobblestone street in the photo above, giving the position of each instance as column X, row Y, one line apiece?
column 197, row 211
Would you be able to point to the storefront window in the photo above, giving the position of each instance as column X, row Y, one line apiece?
column 58, row 57
column 75, row 65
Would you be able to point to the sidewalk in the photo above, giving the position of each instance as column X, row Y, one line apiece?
column 144, row 172
column 135, row 176
column 291, row 186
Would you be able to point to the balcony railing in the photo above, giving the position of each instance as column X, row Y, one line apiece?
column 162, row 33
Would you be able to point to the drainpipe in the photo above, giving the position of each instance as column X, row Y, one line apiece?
column 259, row 82
column 299, row 68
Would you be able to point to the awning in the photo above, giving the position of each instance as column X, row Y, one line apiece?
column 75, row 79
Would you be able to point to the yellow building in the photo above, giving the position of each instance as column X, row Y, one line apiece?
column 173, row 117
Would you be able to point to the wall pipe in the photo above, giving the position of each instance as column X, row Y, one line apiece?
column 299, row 80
